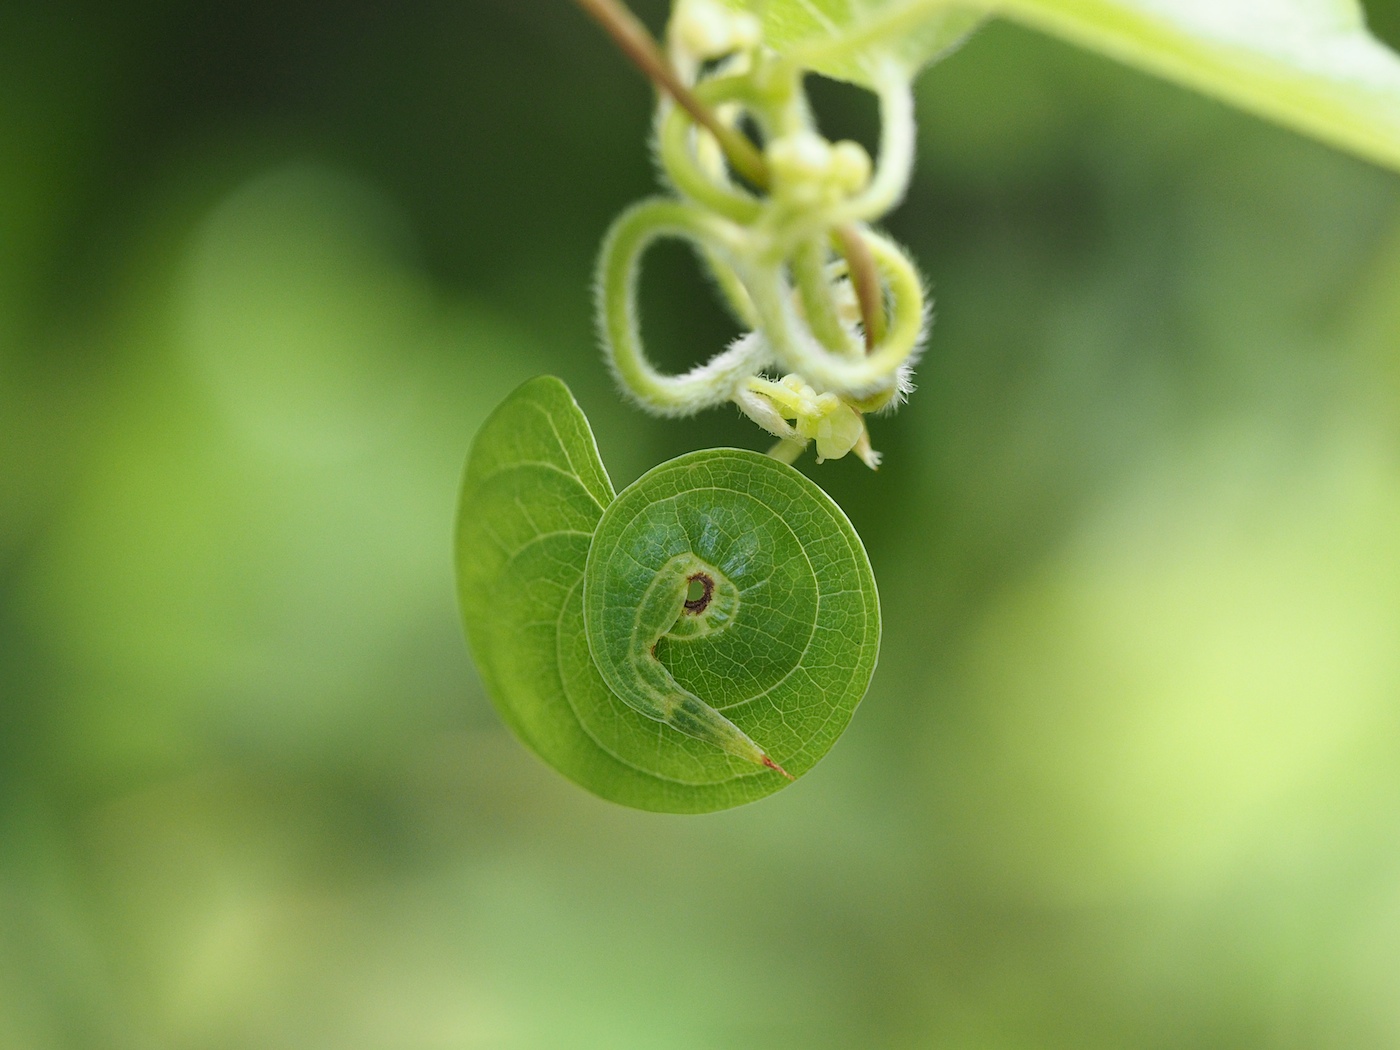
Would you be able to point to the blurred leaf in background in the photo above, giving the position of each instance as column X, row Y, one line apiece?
column 1126, row 776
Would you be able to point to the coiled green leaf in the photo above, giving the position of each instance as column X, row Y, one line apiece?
column 678, row 647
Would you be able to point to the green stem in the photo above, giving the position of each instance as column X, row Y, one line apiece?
column 896, row 154
column 732, row 290
column 677, row 154
column 631, row 234
column 797, row 350
column 810, row 275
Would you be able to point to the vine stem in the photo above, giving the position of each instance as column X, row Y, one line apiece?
column 704, row 386
column 665, row 393
column 866, row 280
column 637, row 43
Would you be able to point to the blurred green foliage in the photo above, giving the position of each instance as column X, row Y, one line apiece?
column 1129, row 773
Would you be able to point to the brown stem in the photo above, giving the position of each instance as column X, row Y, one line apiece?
column 866, row 281
column 637, row 43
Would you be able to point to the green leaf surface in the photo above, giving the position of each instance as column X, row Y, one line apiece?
column 850, row 39
column 564, row 589
column 1310, row 65
column 1307, row 64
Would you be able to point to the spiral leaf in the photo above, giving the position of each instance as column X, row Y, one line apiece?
column 682, row 646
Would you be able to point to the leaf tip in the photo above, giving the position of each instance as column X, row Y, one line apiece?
column 777, row 768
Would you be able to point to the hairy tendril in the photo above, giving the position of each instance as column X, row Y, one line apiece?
column 832, row 306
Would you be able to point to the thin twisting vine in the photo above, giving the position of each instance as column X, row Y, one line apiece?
column 834, row 307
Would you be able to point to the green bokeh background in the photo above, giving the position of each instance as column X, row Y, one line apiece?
column 1129, row 772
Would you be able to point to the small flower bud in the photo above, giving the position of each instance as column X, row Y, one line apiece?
column 838, row 432
column 850, row 165
column 747, row 31
column 706, row 28
column 797, row 384
column 702, row 27
column 803, row 156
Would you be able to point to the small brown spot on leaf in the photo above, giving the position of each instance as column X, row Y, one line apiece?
column 697, row 601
